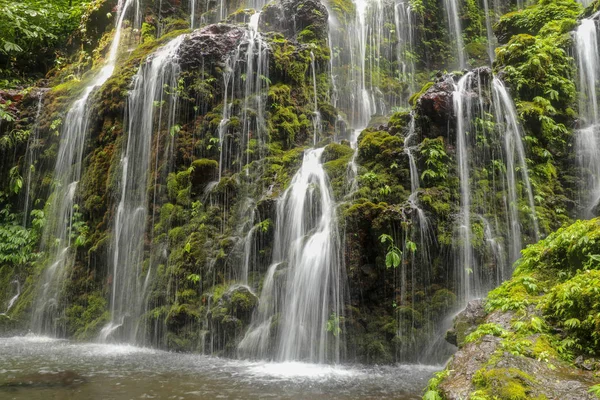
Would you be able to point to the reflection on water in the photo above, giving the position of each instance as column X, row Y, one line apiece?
column 42, row 368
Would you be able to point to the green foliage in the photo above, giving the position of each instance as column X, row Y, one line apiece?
column 502, row 383
column 532, row 19
column 432, row 393
column 537, row 65
column 31, row 29
column 436, row 161
column 377, row 145
column 17, row 244
column 575, row 306
column 393, row 255
column 561, row 275
column 333, row 324
column 483, row 330
column 595, row 390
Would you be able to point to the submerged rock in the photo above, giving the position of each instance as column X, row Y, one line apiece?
column 41, row 380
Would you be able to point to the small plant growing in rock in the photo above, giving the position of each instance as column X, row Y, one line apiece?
column 394, row 254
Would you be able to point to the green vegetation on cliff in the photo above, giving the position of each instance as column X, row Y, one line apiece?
column 546, row 318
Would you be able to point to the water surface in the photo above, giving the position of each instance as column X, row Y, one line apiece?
column 42, row 368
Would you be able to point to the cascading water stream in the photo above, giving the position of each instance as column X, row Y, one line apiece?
column 245, row 77
column 403, row 19
column 316, row 113
column 473, row 280
column 452, row 11
column 462, row 109
column 146, row 105
column 491, row 39
column 192, row 13
column 31, row 154
column 67, row 173
column 506, row 113
column 13, row 299
column 306, row 252
column 588, row 136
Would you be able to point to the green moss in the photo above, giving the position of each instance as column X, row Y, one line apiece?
column 87, row 316
column 344, row 10
column 415, row 97
column 375, row 145
column 503, row 383
column 531, row 20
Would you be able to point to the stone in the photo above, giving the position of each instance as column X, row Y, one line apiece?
column 466, row 322
column 209, row 45
column 275, row 17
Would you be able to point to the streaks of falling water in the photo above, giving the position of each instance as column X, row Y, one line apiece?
column 245, row 77
column 472, row 279
column 462, row 108
column 13, row 300
column 147, row 104
column 403, row 19
column 588, row 137
column 306, row 250
column 316, row 113
column 67, row 172
column 31, row 154
column 455, row 29
column 491, row 40
column 192, row 13
column 507, row 114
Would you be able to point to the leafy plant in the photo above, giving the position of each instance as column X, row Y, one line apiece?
column 393, row 255
column 436, row 161
column 333, row 324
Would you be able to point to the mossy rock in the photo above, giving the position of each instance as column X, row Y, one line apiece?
column 203, row 172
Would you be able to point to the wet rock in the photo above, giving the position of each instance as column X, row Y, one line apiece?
column 463, row 366
column 553, row 380
column 292, row 17
column 436, row 106
column 204, row 171
column 466, row 322
column 209, row 45
column 588, row 364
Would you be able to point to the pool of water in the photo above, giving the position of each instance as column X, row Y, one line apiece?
column 34, row 367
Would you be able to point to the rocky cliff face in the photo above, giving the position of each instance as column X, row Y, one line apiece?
column 245, row 114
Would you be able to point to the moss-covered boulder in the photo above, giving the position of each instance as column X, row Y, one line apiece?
column 309, row 21
column 540, row 337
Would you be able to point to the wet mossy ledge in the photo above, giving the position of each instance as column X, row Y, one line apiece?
column 537, row 336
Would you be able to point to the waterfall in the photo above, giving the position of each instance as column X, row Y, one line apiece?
column 510, row 176
column 31, row 154
column 505, row 112
column 67, row 173
column 462, row 108
column 13, row 300
column 150, row 110
column 587, row 141
column 245, row 78
column 455, row 30
column 306, row 301
column 316, row 113
column 192, row 13
column 491, row 39
column 403, row 19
